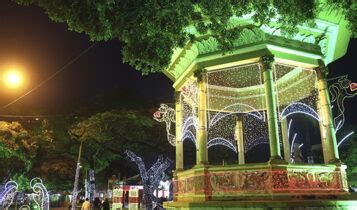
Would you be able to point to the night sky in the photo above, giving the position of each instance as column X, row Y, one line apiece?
column 29, row 38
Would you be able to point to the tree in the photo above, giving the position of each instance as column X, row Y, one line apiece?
column 150, row 29
column 17, row 149
column 107, row 135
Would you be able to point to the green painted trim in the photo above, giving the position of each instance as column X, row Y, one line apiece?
column 183, row 77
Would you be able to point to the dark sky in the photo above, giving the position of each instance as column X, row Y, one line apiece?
column 29, row 38
column 41, row 46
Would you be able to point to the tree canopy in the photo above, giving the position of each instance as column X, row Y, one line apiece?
column 109, row 124
column 150, row 29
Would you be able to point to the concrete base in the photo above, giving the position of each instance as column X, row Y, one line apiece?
column 267, row 181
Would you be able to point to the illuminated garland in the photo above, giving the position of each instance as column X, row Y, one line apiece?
column 256, row 142
column 190, row 91
column 8, row 194
column 151, row 178
column 299, row 107
column 339, row 92
column 344, row 138
column 188, row 100
column 189, row 135
column 223, row 142
column 91, row 184
column 27, row 207
column 241, row 109
column 166, row 114
column 75, row 187
column 40, row 195
column 255, row 132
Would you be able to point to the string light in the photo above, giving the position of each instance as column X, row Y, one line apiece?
column 344, row 138
column 223, row 142
column 151, row 178
column 339, row 92
column 238, row 108
column 189, row 135
column 229, row 101
column 292, row 143
column 299, row 107
column 91, row 184
column 40, row 195
column 8, row 194
column 166, row 114
column 75, row 187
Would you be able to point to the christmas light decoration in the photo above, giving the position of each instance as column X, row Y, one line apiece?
column 25, row 207
column 293, row 143
column 298, row 107
column 339, row 93
column 190, row 121
column 8, row 194
column 190, row 91
column 75, row 187
column 229, row 101
column 189, row 135
column 223, row 142
column 353, row 87
column 255, row 132
column 40, row 195
column 234, row 109
column 151, row 178
column 166, row 114
column 344, row 138
column 91, row 184
column 188, row 99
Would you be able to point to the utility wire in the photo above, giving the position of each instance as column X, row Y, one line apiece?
column 28, row 116
column 50, row 77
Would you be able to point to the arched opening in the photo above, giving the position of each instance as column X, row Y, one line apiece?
column 189, row 153
column 222, row 155
column 259, row 153
column 304, row 139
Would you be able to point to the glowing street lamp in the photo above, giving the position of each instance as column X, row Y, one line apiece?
column 13, row 78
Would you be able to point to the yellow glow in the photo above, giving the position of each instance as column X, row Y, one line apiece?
column 13, row 78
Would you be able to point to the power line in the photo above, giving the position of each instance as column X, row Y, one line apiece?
column 50, row 77
column 28, row 116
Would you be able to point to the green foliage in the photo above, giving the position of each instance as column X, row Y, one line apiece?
column 107, row 135
column 151, row 29
column 349, row 157
column 349, row 9
column 16, row 145
column 23, row 182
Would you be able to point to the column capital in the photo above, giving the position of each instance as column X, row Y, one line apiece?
column 267, row 61
column 322, row 70
column 200, row 74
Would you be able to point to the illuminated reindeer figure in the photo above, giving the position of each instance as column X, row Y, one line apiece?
column 166, row 114
column 340, row 90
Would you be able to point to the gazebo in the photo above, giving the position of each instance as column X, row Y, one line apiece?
column 242, row 98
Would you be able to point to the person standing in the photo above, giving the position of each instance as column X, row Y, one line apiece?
column 96, row 204
column 86, row 205
column 106, row 204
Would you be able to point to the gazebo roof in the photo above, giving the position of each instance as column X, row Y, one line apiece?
column 327, row 40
